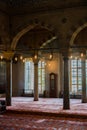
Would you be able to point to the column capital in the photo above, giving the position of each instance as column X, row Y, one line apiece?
column 65, row 53
column 65, row 58
column 8, row 55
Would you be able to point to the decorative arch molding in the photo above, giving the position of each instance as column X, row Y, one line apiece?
column 76, row 33
column 19, row 35
column 28, row 28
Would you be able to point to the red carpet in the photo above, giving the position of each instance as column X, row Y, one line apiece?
column 30, row 122
column 15, row 118
column 48, row 105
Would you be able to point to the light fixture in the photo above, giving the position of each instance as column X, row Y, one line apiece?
column 35, row 56
column 21, row 57
column 82, row 54
column 23, row 60
column 51, row 56
column 15, row 58
column 71, row 57
column 1, row 57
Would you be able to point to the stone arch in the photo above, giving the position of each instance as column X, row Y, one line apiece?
column 28, row 28
column 76, row 32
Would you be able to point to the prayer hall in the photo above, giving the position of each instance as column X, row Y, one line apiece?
column 43, row 65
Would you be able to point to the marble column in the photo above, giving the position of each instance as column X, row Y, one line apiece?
column 36, row 95
column 66, row 99
column 8, row 83
column 84, row 87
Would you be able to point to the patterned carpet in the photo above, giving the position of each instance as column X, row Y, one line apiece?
column 30, row 122
column 19, row 117
column 48, row 106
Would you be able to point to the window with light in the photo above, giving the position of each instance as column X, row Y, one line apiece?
column 29, row 76
column 75, row 76
column 41, row 76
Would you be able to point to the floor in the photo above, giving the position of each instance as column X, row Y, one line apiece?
column 45, row 114
column 48, row 105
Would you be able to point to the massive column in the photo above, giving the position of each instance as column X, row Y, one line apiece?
column 36, row 95
column 8, row 56
column 66, row 99
column 84, row 87
column 8, row 83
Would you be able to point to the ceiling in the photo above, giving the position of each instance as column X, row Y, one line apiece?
column 32, row 6
column 39, row 36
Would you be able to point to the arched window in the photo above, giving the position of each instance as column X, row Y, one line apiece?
column 2, row 77
column 41, row 76
column 75, row 76
column 29, row 76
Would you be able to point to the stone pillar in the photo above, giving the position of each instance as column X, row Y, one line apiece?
column 84, row 87
column 36, row 95
column 66, row 99
column 8, row 83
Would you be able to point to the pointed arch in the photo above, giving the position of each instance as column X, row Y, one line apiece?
column 26, row 29
column 76, row 33
column 19, row 35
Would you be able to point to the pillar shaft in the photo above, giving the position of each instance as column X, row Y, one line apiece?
column 36, row 96
column 84, row 88
column 66, row 101
column 8, row 83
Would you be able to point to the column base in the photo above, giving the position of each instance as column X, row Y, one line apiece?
column 85, row 101
column 66, row 108
column 36, row 99
column 8, row 102
column 66, row 105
